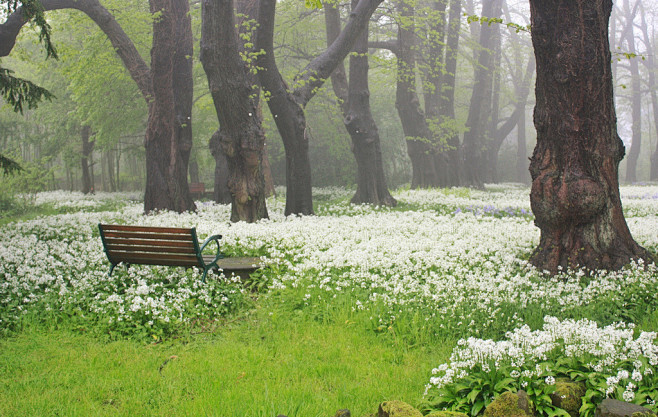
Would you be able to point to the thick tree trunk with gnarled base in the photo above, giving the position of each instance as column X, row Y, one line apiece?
column 574, row 168
column 240, row 139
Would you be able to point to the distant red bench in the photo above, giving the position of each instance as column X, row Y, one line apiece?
column 197, row 189
column 168, row 246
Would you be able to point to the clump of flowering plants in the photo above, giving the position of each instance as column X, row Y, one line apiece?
column 610, row 361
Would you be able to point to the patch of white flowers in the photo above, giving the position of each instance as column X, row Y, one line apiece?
column 602, row 349
column 461, row 266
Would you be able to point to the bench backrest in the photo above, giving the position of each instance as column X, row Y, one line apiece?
column 197, row 187
column 168, row 246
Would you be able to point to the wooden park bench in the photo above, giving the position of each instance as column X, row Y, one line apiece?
column 197, row 189
column 168, row 246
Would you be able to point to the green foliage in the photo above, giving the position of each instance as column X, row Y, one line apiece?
column 20, row 93
column 8, row 165
column 18, row 191
column 496, row 20
column 313, row 4
column 17, row 91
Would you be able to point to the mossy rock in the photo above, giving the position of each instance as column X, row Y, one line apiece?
column 446, row 414
column 343, row 413
column 569, row 395
column 397, row 409
column 615, row 408
column 509, row 404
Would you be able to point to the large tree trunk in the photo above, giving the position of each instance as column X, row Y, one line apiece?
column 221, row 193
column 574, row 167
column 87, row 149
column 636, row 96
column 193, row 169
column 432, row 69
column 355, row 97
column 241, row 137
column 414, row 124
column 287, row 107
column 168, row 141
column 481, row 101
column 289, row 117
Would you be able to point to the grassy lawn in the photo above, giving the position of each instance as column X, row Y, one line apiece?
column 257, row 366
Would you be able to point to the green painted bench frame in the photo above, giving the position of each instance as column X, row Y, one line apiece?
column 168, row 246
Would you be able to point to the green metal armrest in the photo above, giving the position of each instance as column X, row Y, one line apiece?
column 219, row 255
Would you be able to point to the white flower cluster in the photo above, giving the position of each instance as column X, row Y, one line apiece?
column 461, row 267
column 604, row 350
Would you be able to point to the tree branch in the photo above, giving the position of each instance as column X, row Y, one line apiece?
column 124, row 47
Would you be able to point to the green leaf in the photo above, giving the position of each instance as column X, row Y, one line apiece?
column 472, row 396
column 502, row 384
column 477, row 407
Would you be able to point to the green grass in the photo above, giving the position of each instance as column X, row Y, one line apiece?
column 258, row 365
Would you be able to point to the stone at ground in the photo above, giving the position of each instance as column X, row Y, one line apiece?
column 509, row 404
column 568, row 395
column 615, row 408
column 343, row 413
column 446, row 414
column 397, row 409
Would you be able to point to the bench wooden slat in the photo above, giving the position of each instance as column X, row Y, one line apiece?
column 162, row 250
column 159, row 261
column 126, row 228
column 197, row 188
column 149, row 236
column 109, row 241
column 125, row 256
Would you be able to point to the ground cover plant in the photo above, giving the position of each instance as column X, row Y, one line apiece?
column 411, row 281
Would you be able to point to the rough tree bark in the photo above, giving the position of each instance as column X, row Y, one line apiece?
column 574, row 167
column 241, row 138
column 287, row 106
column 168, row 136
column 358, row 120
